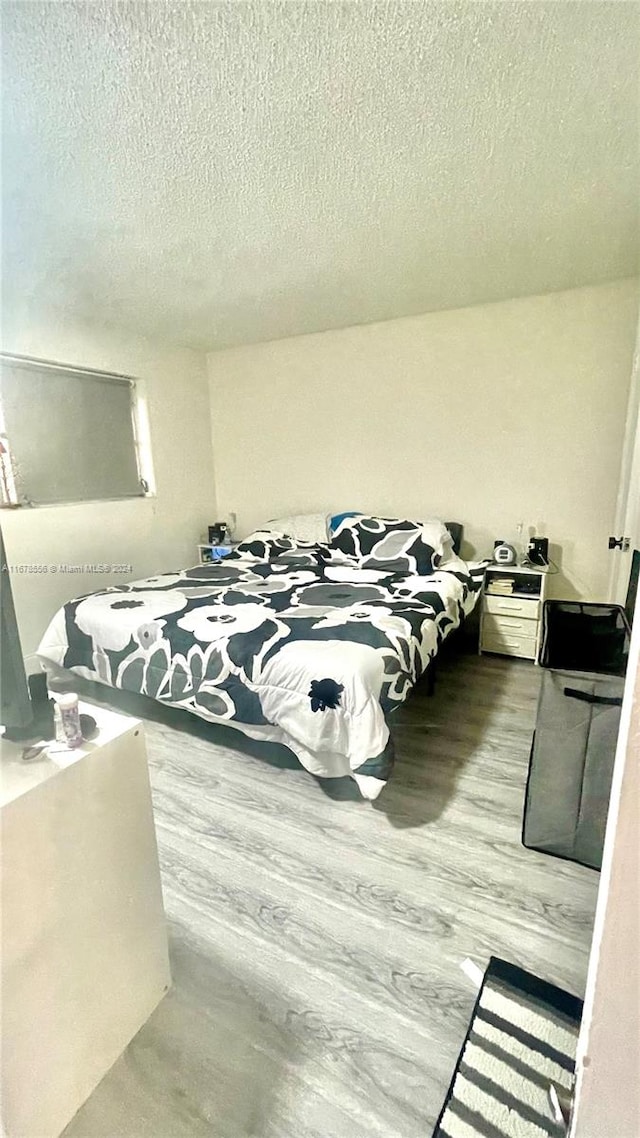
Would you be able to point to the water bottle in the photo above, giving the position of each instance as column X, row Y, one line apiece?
column 70, row 712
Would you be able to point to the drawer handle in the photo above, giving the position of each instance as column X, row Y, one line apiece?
column 587, row 697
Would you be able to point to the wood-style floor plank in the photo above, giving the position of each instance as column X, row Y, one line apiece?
column 316, row 939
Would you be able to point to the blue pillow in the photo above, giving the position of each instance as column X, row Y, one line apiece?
column 337, row 519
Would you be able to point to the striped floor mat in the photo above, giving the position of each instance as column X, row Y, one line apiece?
column 522, row 1037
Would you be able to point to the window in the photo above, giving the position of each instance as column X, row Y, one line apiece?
column 67, row 435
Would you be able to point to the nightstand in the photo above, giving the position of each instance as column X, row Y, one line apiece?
column 207, row 553
column 511, row 611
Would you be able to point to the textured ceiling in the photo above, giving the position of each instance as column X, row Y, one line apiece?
column 221, row 173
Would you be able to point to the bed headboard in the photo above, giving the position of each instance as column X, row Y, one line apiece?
column 314, row 527
column 456, row 530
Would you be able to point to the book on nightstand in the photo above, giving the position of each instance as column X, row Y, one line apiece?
column 502, row 586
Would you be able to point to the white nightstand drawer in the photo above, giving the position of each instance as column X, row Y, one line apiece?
column 509, row 644
column 509, row 626
column 512, row 606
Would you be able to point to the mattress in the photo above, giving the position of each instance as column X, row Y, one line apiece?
column 293, row 650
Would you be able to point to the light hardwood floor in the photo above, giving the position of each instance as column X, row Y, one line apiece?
column 316, row 939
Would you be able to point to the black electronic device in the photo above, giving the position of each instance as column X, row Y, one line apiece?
column 15, row 701
column 528, row 585
column 26, row 712
column 538, row 551
column 632, row 591
column 218, row 533
column 42, row 706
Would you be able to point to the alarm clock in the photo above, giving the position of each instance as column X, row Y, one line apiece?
column 504, row 554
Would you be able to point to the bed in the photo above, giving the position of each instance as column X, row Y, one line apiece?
column 306, row 643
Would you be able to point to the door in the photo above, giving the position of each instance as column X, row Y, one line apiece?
column 607, row 1099
column 627, row 520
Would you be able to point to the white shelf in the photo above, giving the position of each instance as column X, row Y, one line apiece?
column 535, row 570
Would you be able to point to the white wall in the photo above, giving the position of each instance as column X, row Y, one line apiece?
column 489, row 415
column 152, row 534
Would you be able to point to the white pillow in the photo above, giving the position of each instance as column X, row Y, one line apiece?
column 436, row 531
column 302, row 527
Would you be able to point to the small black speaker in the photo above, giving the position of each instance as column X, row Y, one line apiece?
column 217, row 533
column 538, row 551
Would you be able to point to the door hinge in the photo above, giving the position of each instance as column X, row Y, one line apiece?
column 621, row 543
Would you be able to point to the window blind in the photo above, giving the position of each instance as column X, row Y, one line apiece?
column 71, row 433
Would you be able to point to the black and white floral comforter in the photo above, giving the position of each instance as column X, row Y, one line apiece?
column 298, row 649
